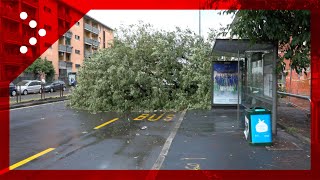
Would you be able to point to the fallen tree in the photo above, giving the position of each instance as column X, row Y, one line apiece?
column 147, row 69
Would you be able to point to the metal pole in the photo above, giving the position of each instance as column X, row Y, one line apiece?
column 274, row 90
column 238, row 89
column 17, row 94
column 212, row 84
column 20, row 93
column 44, row 92
column 290, row 83
column 41, row 91
column 295, row 95
column 199, row 20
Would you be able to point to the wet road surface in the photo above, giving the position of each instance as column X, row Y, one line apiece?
column 195, row 140
column 121, row 144
column 215, row 140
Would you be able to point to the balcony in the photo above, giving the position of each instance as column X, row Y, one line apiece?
column 87, row 53
column 90, row 28
column 62, row 48
column 62, row 64
column 61, row 15
column 32, row 14
column 61, row 31
column 11, row 58
column 69, row 49
column 10, row 14
column 68, row 34
column 65, row 48
column 87, row 27
column 13, row 37
column 95, row 42
column 33, row 3
column 95, row 30
column 88, row 41
column 68, row 17
column 69, row 64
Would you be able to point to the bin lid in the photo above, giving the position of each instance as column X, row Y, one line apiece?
column 257, row 109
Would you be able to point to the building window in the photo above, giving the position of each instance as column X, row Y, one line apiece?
column 77, row 37
column 78, row 23
column 46, row 9
column 77, row 51
column 67, row 41
column 47, row 27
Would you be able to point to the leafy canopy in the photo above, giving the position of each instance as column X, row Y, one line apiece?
column 41, row 66
column 289, row 29
column 146, row 69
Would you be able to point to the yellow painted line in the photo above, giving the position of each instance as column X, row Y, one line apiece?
column 104, row 124
column 30, row 158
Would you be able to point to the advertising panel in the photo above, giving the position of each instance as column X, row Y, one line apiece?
column 225, row 83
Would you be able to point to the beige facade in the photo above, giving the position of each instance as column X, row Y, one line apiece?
column 84, row 38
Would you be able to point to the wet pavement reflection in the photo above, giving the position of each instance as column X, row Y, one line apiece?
column 136, row 138
column 205, row 139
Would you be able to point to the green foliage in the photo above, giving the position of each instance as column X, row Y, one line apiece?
column 41, row 66
column 146, row 69
column 277, row 27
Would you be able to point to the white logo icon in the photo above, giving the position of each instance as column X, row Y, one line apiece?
column 261, row 126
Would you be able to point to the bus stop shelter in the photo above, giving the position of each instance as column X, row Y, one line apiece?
column 250, row 69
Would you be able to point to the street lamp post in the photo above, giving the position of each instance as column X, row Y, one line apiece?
column 199, row 22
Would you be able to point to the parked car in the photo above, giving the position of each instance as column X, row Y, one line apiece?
column 13, row 90
column 29, row 86
column 54, row 86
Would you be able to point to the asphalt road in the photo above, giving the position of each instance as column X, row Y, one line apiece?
column 119, row 144
column 214, row 139
column 36, row 96
column 53, row 136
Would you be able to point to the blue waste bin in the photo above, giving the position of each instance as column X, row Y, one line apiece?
column 258, row 127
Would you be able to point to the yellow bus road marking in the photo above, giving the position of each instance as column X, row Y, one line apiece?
column 104, row 124
column 30, row 158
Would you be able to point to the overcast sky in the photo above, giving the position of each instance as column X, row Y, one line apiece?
column 164, row 19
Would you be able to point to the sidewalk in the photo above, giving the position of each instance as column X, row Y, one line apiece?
column 38, row 102
column 214, row 140
column 296, row 121
column 36, row 96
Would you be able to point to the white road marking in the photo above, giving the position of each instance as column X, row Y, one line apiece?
column 191, row 158
column 157, row 165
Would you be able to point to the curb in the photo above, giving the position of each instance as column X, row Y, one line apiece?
column 38, row 102
column 297, row 135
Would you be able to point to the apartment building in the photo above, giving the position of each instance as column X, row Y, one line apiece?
column 79, row 42
column 80, row 38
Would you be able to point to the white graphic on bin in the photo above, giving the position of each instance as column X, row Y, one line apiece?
column 261, row 126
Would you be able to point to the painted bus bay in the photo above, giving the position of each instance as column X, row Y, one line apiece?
column 154, row 117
